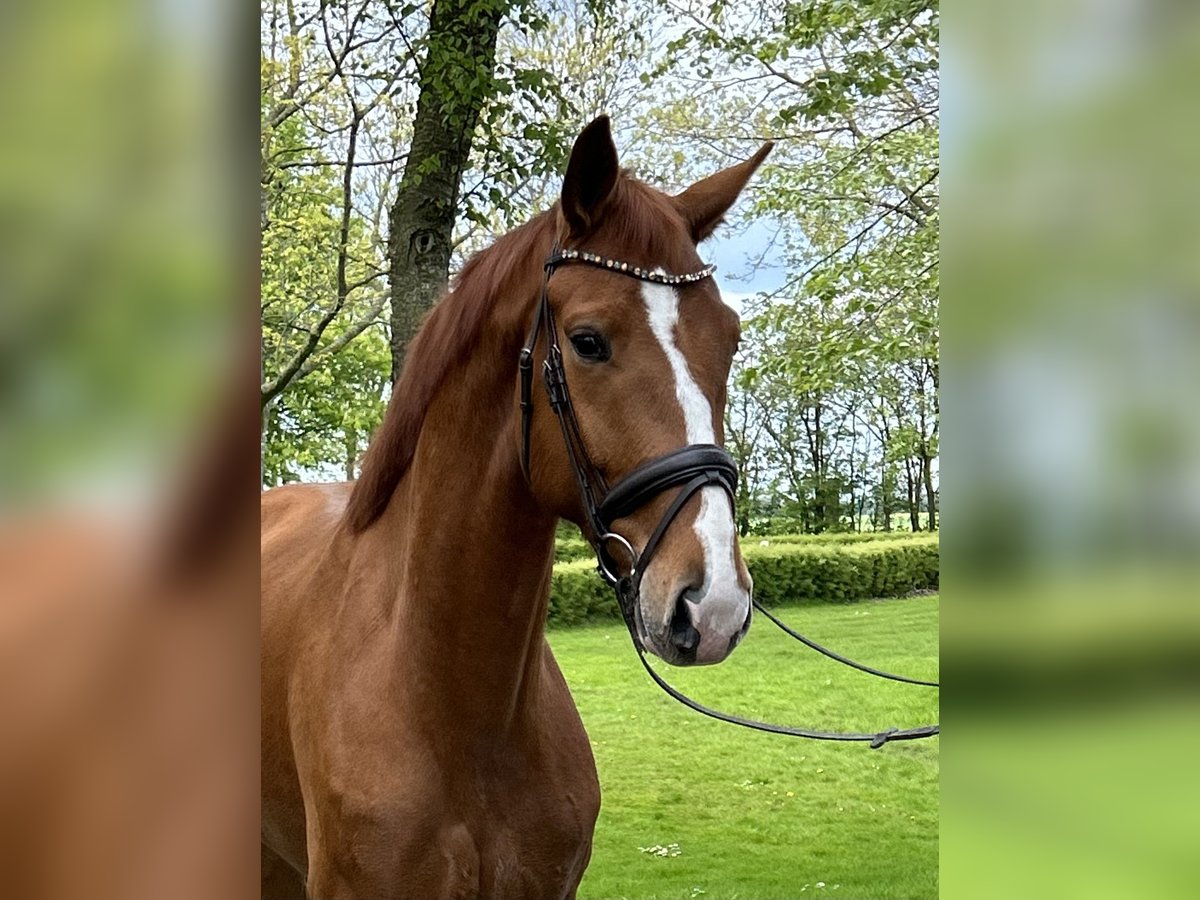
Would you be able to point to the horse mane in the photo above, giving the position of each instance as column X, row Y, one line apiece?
column 637, row 216
column 450, row 332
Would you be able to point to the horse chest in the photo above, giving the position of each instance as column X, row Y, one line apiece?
column 532, row 841
column 516, row 821
column 525, row 816
column 497, row 845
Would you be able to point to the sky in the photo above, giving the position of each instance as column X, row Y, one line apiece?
column 736, row 251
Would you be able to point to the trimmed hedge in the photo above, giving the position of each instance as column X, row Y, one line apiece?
column 833, row 537
column 796, row 572
column 840, row 572
column 571, row 549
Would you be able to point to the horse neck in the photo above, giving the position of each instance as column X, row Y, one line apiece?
column 473, row 552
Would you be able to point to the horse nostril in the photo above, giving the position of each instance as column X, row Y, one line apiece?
column 684, row 636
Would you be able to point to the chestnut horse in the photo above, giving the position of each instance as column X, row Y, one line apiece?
column 418, row 738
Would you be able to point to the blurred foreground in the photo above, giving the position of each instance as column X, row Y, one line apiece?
column 128, row 459
column 1071, row 474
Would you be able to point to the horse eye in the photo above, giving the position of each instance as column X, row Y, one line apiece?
column 590, row 346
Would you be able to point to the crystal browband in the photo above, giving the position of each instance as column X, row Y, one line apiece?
column 603, row 262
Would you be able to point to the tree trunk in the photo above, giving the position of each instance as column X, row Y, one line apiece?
column 926, row 458
column 913, row 486
column 743, row 512
column 855, row 518
column 351, row 460
column 927, row 471
column 886, row 487
column 820, row 512
column 456, row 80
column 885, row 499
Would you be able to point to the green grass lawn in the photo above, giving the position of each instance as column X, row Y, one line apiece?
column 749, row 815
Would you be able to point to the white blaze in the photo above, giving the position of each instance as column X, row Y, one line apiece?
column 714, row 524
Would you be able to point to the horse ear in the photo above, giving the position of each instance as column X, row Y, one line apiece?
column 705, row 203
column 591, row 176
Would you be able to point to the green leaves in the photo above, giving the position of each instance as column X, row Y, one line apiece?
column 324, row 356
column 843, row 356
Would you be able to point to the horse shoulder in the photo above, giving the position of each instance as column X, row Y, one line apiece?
column 293, row 511
column 564, row 729
column 298, row 527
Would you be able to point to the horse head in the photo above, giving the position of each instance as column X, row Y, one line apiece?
column 644, row 344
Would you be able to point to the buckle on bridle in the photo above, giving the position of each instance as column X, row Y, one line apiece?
column 525, row 366
column 556, row 381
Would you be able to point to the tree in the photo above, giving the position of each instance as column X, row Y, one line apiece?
column 395, row 138
column 322, row 337
column 325, row 115
column 850, row 92
column 525, row 87
column 320, row 101
column 456, row 78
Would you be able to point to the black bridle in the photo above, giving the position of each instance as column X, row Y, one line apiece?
column 690, row 468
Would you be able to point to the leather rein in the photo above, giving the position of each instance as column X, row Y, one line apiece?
column 689, row 468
